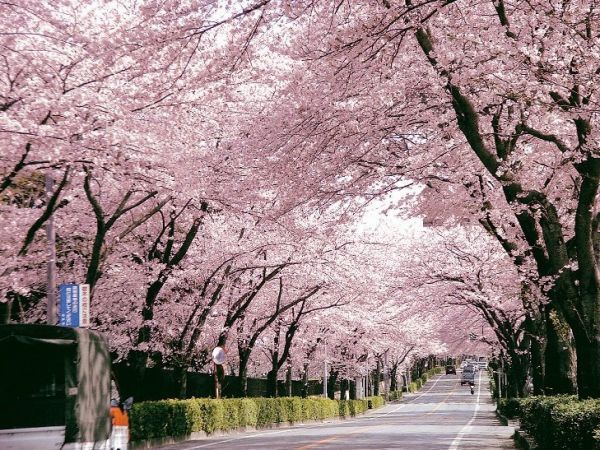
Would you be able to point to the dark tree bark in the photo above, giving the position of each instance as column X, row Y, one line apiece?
column 559, row 356
column 331, row 383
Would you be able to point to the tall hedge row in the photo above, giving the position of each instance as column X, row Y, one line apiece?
column 164, row 418
column 557, row 422
column 417, row 384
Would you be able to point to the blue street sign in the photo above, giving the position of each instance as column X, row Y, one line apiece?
column 69, row 305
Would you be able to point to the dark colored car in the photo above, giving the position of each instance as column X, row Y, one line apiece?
column 450, row 369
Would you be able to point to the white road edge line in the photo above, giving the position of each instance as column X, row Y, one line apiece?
column 464, row 430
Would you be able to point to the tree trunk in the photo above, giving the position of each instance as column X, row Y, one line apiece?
column 272, row 388
column 305, row 381
column 343, row 388
column 242, row 383
column 588, row 372
column 559, row 355
column 377, row 378
column 5, row 311
column 288, row 380
column 352, row 388
column 272, row 375
column 538, row 364
column 180, row 376
column 137, row 360
column 393, row 378
column 241, row 389
column 517, row 376
column 333, row 375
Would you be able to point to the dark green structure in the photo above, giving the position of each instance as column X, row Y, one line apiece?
column 55, row 376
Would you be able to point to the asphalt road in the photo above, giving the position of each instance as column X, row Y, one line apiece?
column 443, row 415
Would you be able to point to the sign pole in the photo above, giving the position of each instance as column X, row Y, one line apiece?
column 51, row 270
column 325, row 380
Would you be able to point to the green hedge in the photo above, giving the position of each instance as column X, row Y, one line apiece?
column 395, row 395
column 181, row 417
column 557, row 422
column 417, row 384
column 166, row 418
column 510, row 407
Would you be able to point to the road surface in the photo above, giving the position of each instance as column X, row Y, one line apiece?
column 443, row 415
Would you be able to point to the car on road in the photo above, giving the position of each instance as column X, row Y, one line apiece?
column 468, row 375
column 450, row 369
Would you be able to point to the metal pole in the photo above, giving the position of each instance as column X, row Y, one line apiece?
column 368, row 386
column 385, row 375
column 499, row 373
column 325, row 380
column 51, row 270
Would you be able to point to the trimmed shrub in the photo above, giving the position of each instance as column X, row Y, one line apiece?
column 395, row 395
column 248, row 412
column 212, row 415
column 574, row 424
column 181, row 417
column 509, row 407
column 148, row 420
column 536, row 416
column 344, row 408
column 164, row 418
column 375, row 402
column 268, row 411
column 291, row 408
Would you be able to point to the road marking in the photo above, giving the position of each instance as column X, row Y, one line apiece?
column 239, row 438
column 464, row 430
column 378, row 416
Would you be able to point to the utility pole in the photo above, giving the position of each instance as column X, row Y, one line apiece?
column 51, row 271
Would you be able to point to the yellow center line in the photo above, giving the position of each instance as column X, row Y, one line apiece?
column 363, row 429
column 443, row 402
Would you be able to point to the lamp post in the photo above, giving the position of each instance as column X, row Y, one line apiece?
column 218, row 356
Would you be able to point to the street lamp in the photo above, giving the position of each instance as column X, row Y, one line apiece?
column 218, row 357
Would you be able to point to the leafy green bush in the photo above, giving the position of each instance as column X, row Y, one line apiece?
column 376, row 401
column 164, row 418
column 574, row 424
column 536, row 416
column 181, row 417
column 395, row 395
column 510, row 407
column 292, row 408
column 248, row 412
column 212, row 415
column 558, row 422
column 148, row 420
column 350, row 408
